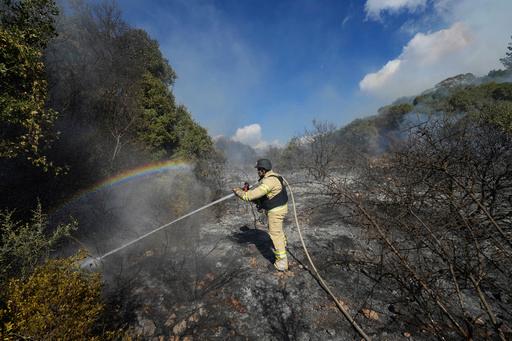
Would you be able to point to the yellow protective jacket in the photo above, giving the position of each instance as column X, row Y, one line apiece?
column 269, row 185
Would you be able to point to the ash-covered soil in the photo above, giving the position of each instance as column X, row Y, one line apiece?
column 209, row 278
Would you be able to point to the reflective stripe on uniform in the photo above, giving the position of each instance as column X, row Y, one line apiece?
column 280, row 254
column 265, row 188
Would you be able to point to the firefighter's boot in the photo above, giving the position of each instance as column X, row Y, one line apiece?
column 281, row 263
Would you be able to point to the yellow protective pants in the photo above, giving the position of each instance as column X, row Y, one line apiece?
column 275, row 230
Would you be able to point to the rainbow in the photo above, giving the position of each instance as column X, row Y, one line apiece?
column 130, row 175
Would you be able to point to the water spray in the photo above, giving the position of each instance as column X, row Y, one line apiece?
column 92, row 262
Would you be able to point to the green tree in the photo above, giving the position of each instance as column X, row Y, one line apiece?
column 194, row 141
column 25, row 123
column 507, row 60
column 114, row 87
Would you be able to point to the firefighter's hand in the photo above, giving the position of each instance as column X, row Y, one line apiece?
column 238, row 191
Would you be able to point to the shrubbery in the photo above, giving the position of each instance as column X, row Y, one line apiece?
column 23, row 245
column 58, row 301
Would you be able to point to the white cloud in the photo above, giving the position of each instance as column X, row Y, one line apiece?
column 474, row 40
column 429, row 48
column 421, row 51
column 376, row 80
column 251, row 136
column 374, row 8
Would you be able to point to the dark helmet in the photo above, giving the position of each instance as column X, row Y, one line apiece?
column 264, row 163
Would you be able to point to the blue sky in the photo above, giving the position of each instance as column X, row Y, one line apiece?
column 261, row 71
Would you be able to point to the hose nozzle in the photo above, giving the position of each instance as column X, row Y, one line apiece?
column 90, row 263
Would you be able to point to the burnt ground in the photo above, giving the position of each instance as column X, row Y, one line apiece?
column 209, row 279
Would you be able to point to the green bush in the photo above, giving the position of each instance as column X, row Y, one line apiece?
column 58, row 301
column 24, row 245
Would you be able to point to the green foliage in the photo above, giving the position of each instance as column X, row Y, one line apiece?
column 507, row 60
column 374, row 134
column 492, row 102
column 58, row 301
column 137, row 44
column 167, row 130
column 390, row 117
column 496, row 74
column 24, row 245
column 116, row 93
column 194, row 141
column 33, row 20
column 361, row 134
column 499, row 114
column 476, row 97
column 25, row 123
column 156, row 126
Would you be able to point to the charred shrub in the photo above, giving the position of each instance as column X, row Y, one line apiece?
column 439, row 206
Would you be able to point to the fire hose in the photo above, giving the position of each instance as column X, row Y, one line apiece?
column 315, row 273
column 93, row 262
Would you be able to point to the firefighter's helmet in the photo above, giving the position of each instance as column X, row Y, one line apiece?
column 264, row 163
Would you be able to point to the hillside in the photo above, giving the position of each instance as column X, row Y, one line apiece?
column 461, row 94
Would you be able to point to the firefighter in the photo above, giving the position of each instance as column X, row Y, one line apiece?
column 270, row 195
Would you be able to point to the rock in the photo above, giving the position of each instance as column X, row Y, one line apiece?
column 407, row 334
column 303, row 337
column 331, row 332
column 170, row 320
column 194, row 317
column 370, row 314
column 147, row 327
column 179, row 327
column 343, row 304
